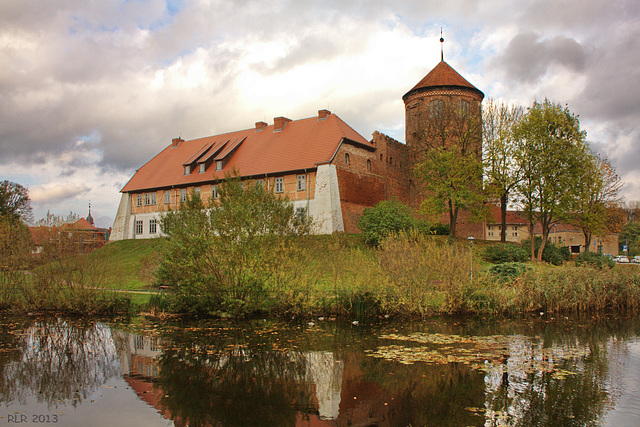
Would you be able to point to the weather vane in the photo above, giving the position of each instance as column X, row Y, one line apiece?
column 441, row 46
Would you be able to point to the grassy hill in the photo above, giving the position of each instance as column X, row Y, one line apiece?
column 130, row 262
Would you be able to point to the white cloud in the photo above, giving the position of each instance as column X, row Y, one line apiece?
column 91, row 91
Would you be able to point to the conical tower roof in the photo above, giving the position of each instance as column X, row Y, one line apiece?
column 443, row 76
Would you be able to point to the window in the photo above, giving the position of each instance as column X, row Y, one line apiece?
column 346, row 158
column 260, row 183
column 187, row 170
column 368, row 164
column 139, row 226
column 435, row 108
column 139, row 201
column 139, row 342
column 279, row 184
column 167, row 197
column 214, row 191
column 153, row 226
column 201, row 168
column 149, row 198
column 301, row 212
column 463, row 107
column 219, row 165
column 198, row 191
column 183, row 194
column 302, row 181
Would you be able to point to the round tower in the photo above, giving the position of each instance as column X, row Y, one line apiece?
column 440, row 90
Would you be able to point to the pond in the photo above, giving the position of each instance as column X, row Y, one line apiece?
column 324, row 372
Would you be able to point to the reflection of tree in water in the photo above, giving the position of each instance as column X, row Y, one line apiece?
column 419, row 394
column 59, row 363
column 210, row 384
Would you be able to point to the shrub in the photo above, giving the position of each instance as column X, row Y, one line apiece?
column 595, row 260
column 386, row 218
column 509, row 270
column 505, row 253
column 552, row 254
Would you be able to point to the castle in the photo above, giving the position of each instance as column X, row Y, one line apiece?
column 327, row 169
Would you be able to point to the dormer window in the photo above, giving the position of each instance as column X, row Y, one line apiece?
column 201, row 168
column 187, row 170
column 218, row 165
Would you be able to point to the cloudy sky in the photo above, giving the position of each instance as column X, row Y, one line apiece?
column 91, row 90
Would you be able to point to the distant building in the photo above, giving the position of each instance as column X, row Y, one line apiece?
column 566, row 235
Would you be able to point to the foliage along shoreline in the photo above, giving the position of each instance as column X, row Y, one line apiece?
column 409, row 275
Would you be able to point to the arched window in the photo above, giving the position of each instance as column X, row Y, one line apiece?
column 346, row 158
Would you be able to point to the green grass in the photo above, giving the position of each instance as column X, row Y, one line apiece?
column 128, row 262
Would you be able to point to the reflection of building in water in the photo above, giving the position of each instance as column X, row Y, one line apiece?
column 138, row 355
column 324, row 371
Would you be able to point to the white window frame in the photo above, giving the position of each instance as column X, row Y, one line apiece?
column 187, row 170
column 214, row 191
column 302, row 182
column 139, row 227
column 139, row 200
column 153, row 226
column 197, row 190
column 218, row 165
column 279, row 185
column 167, row 197
column 201, row 168
column 183, row 194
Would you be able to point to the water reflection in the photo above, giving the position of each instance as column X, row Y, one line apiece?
column 56, row 362
column 472, row 373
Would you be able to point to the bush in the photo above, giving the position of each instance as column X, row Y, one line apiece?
column 509, row 270
column 552, row 254
column 595, row 260
column 386, row 218
column 505, row 253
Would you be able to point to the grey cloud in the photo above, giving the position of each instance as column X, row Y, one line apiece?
column 527, row 57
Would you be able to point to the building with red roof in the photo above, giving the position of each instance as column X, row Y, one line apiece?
column 325, row 167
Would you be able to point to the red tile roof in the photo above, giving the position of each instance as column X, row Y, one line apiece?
column 513, row 217
column 301, row 144
column 442, row 75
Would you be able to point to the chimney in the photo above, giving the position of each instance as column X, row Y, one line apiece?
column 323, row 114
column 260, row 126
column 176, row 141
column 279, row 123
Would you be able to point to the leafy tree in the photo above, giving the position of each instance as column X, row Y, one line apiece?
column 499, row 153
column 597, row 188
column 225, row 255
column 551, row 154
column 450, row 161
column 385, row 218
column 14, row 201
column 630, row 235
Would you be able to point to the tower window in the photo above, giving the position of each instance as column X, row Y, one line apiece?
column 346, row 158
column 463, row 107
column 435, row 108
column 368, row 164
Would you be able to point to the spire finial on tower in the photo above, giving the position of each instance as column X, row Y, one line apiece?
column 441, row 46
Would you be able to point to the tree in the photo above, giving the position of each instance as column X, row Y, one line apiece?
column 51, row 220
column 499, row 153
column 223, row 255
column 450, row 161
column 630, row 236
column 14, row 201
column 596, row 189
column 385, row 218
column 551, row 156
